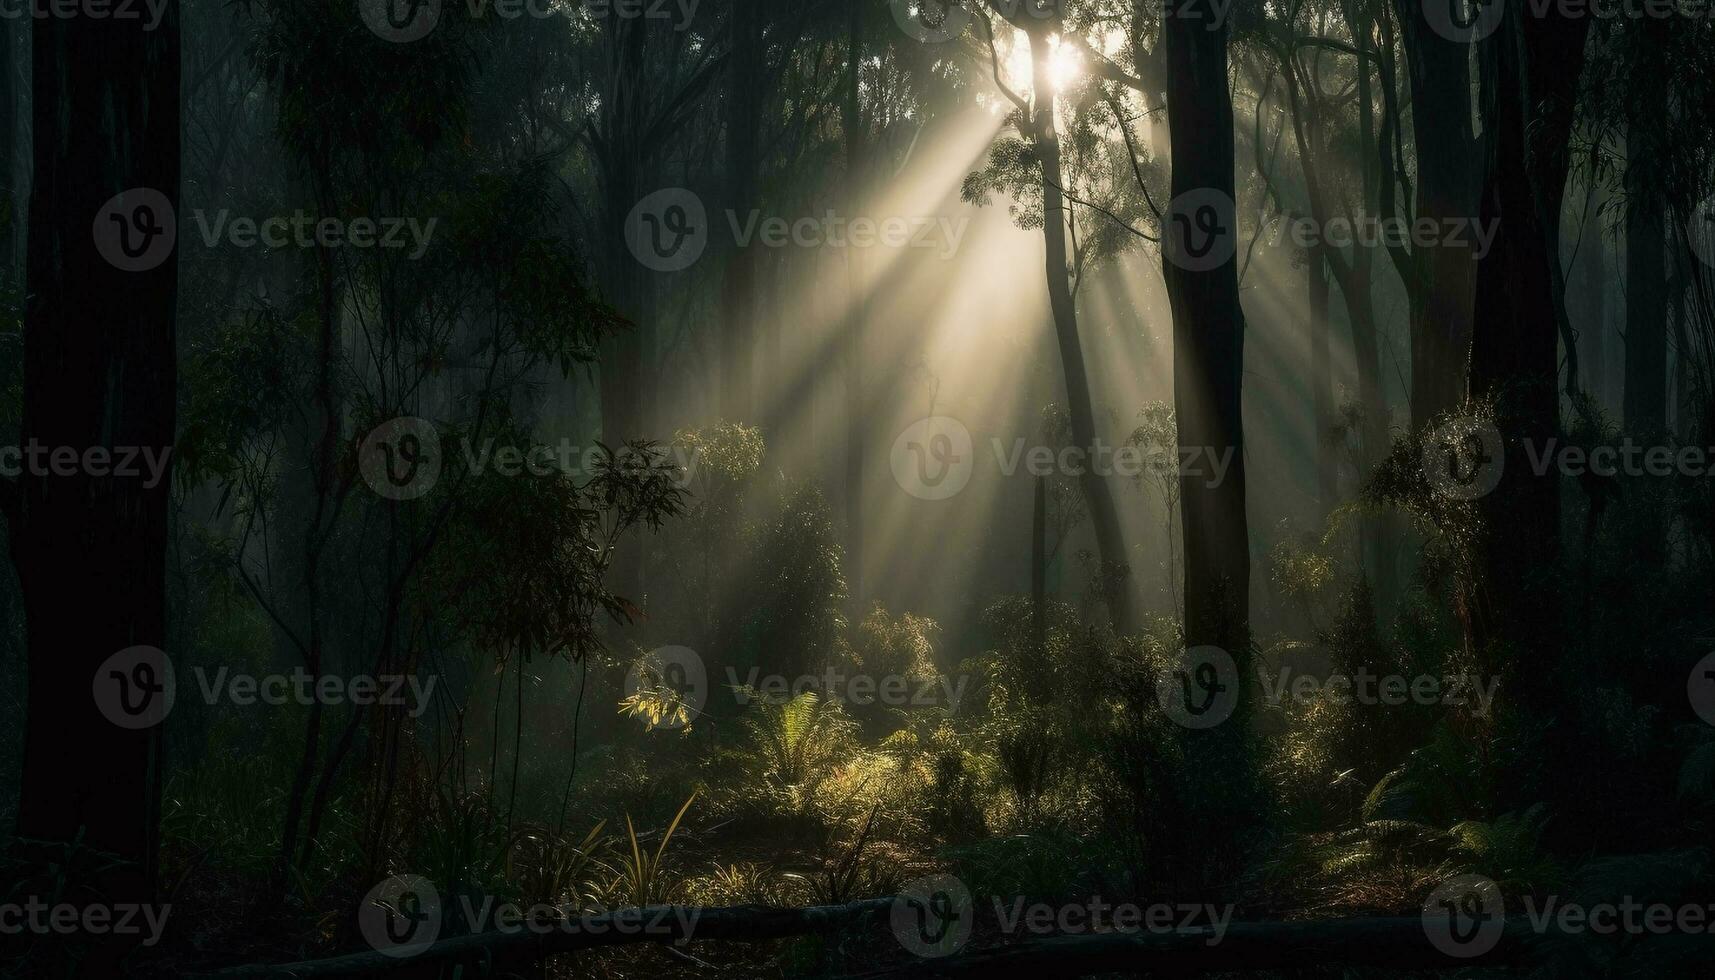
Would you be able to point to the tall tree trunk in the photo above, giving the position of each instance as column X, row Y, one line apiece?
column 1322, row 382
column 743, row 135
column 99, row 375
column 1208, row 343
column 1646, row 271
column 1208, row 369
column 9, row 209
column 1592, row 321
column 1382, row 533
column 1355, row 276
column 1039, row 567
column 1441, row 286
column 1535, row 64
column 1080, row 403
column 626, row 383
column 857, row 320
column 619, row 162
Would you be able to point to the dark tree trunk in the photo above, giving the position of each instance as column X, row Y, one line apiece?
column 9, row 209
column 1354, row 275
column 1322, row 382
column 1208, row 343
column 851, row 121
column 743, row 136
column 99, row 373
column 1646, row 273
column 1208, row 368
column 1438, row 70
column 619, row 164
column 1039, row 568
column 1592, row 320
column 1080, row 403
column 1535, row 64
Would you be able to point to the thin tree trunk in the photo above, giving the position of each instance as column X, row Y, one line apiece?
column 738, row 290
column 1646, row 276
column 1039, row 567
column 9, row 209
column 1080, row 404
column 1322, row 382
column 851, row 122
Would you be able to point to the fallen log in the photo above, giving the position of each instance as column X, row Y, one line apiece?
column 655, row 924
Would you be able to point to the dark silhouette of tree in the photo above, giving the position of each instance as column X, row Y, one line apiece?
column 1534, row 64
column 100, row 379
column 1208, row 368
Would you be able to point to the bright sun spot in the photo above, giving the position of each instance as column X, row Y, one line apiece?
column 1065, row 64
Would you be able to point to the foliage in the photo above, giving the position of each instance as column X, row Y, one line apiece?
column 639, row 877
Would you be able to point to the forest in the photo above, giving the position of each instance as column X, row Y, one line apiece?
column 857, row 488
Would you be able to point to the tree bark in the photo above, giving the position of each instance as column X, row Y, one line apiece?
column 1646, row 271
column 1443, row 293
column 1080, row 403
column 743, row 134
column 1535, row 64
column 8, row 152
column 857, row 322
column 1322, row 382
column 1208, row 369
column 99, row 373
column 1208, row 344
